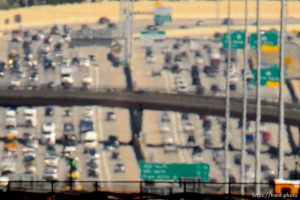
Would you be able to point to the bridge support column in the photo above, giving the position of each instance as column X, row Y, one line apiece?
column 136, row 119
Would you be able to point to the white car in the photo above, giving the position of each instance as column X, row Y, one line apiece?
column 48, row 127
column 10, row 114
column 150, row 59
column 182, row 89
column 85, row 62
column 4, row 180
column 164, row 127
column 188, row 126
column 199, row 60
column 87, row 81
column 15, row 83
column 88, row 111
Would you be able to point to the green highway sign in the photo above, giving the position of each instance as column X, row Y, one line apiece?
column 151, row 38
column 267, row 38
column 162, row 18
column 237, row 39
column 162, row 14
column 174, row 171
column 271, row 74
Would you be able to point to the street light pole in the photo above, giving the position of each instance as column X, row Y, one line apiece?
column 258, row 103
column 281, row 90
column 227, row 112
column 245, row 94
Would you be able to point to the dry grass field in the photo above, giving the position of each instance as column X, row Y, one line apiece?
column 90, row 12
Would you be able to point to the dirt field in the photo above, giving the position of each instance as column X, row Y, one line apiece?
column 90, row 12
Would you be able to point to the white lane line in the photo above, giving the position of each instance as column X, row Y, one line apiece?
column 100, row 134
column 181, row 137
column 175, row 135
column 173, row 119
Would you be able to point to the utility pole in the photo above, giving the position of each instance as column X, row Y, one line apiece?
column 258, row 102
column 245, row 102
column 281, row 90
column 227, row 112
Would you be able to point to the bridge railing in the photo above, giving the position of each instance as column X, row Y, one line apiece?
column 142, row 187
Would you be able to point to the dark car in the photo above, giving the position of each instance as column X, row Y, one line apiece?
column 75, row 61
column 227, row 21
column 2, row 69
column 184, row 116
column 49, row 64
column 197, row 150
column 115, row 155
column 48, row 111
column 191, row 139
column 152, row 28
column 206, row 124
column 57, row 47
column 111, row 142
column 111, row 26
column 103, row 20
column 86, row 125
column 68, row 128
column 232, row 86
column 196, row 81
column 55, row 30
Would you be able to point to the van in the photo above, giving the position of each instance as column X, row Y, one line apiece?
column 90, row 140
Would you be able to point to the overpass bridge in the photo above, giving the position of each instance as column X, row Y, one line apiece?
column 209, row 105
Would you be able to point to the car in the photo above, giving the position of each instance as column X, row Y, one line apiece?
column 50, row 151
column 68, row 128
column 115, row 155
column 164, row 127
column 237, row 159
column 86, row 125
column 191, row 139
column 183, row 27
column 232, row 86
column 111, row 116
column 155, row 71
column 206, row 124
column 111, row 26
column 48, row 111
column 88, row 111
column 93, row 172
column 75, row 61
column 87, row 82
column 169, row 146
column 151, row 28
column 52, row 160
column 91, row 153
column 49, row 64
column 197, row 153
column 165, row 117
column 200, row 23
column 182, row 89
column 207, row 142
column 188, row 126
column 50, row 173
column 195, row 81
column 103, row 20
column 85, row 62
column 55, row 30
column 227, row 21
column 2, row 68
column 119, row 167
column 112, row 142
column 150, row 59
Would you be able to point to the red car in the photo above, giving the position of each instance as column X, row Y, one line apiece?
column 266, row 136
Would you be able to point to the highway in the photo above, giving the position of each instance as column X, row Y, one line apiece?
column 211, row 105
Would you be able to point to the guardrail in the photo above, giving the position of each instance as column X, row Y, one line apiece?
column 142, row 188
